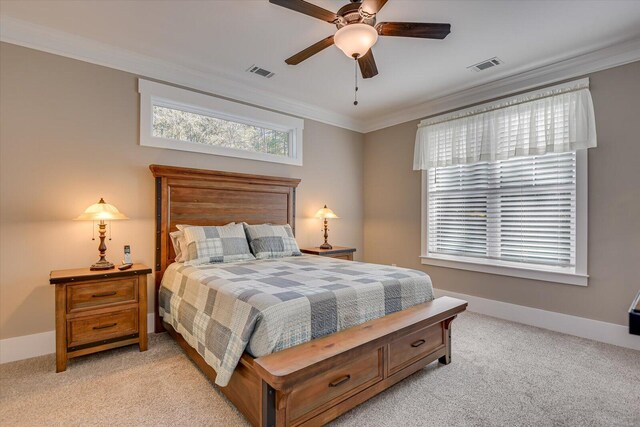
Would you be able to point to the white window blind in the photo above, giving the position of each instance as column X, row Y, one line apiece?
column 520, row 211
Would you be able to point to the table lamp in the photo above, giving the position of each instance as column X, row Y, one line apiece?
column 326, row 213
column 102, row 212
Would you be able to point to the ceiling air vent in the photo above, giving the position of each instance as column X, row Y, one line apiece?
column 260, row 71
column 489, row 63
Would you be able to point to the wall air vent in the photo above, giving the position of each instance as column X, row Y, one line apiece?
column 260, row 71
column 489, row 63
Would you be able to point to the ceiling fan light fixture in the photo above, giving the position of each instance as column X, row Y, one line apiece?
column 355, row 40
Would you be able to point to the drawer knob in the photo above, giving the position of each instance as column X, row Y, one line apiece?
column 417, row 343
column 110, row 325
column 341, row 380
column 104, row 294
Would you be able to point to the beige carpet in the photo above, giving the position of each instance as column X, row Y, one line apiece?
column 503, row 374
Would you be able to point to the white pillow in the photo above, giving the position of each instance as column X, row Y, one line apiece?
column 179, row 245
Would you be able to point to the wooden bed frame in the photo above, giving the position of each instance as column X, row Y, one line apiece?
column 315, row 382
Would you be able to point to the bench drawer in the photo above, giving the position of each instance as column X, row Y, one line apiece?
column 96, row 294
column 407, row 349
column 84, row 330
column 337, row 384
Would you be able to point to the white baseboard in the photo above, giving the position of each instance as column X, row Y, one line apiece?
column 596, row 330
column 26, row 346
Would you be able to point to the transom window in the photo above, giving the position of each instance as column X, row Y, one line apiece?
column 180, row 125
column 179, row 119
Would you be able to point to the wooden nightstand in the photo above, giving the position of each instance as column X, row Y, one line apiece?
column 339, row 252
column 99, row 310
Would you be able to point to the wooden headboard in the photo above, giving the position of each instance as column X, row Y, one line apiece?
column 204, row 197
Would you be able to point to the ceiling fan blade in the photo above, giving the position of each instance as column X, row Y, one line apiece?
column 373, row 6
column 414, row 29
column 307, row 8
column 368, row 65
column 310, row 51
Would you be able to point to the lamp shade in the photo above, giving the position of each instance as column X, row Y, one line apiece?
column 355, row 39
column 326, row 213
column 101, row 211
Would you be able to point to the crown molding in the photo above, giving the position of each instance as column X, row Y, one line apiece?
column 601, row 59
column 22, row 33
column 34, row 36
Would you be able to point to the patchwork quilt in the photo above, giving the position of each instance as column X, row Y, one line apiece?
column 263, row 306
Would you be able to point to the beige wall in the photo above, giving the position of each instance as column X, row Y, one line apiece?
column 392, row 211
column 69, row 135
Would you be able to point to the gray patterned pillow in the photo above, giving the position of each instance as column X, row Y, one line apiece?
column 212, row 244
column 271, row 241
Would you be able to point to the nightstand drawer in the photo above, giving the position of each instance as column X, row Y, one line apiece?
column 83, row 330
column 106, row 292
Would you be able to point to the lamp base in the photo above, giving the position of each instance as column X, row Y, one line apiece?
column 326, row 246
column 102, row 265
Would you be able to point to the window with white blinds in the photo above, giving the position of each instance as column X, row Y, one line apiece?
column 505, row 185
column 520, row 211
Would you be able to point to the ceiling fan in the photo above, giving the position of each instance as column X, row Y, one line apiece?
column 358, row 31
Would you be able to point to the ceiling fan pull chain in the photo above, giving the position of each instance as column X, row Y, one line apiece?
column 355, row 94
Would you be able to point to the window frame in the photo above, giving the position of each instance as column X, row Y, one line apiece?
column 158, row 94
column 566, row 275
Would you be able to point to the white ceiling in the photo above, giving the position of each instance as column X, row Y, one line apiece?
column 223, row 38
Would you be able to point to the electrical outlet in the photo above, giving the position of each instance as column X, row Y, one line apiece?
column 393, row 265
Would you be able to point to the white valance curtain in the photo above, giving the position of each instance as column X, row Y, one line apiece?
column 553, row 120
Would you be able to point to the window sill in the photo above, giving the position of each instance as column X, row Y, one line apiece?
column 525, row 273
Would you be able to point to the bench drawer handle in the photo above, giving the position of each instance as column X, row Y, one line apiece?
column 417, row 343
column 104, row 294
column 339, row 381
column 110, row 325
